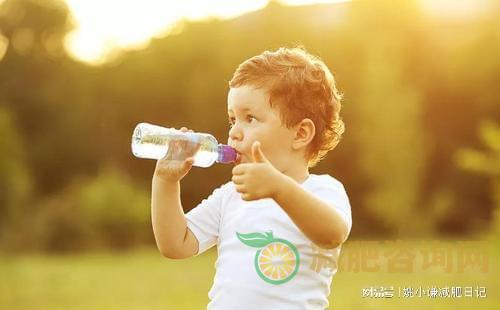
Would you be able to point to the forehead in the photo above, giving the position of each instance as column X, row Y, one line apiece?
column 246, row 98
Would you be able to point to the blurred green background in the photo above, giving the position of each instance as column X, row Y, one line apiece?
column 420, row 158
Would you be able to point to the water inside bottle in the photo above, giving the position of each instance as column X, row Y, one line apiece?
column 156, row 146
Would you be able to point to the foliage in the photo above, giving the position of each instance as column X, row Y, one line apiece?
column 107, row 211
column 416, row 86
column 486, row 163
column 15, row 181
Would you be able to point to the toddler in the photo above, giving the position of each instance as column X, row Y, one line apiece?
column 278, row 229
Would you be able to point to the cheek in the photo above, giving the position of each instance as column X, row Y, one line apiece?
column 256, row 134
column 277, row 151
column 276, row 142
column 282, row 147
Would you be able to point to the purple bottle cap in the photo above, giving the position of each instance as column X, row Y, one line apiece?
column 226, row 154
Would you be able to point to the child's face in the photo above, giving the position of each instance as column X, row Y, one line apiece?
column 252, row 119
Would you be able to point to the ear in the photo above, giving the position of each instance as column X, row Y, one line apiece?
column 304, row 133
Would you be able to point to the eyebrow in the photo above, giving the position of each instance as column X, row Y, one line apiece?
column 242, row 110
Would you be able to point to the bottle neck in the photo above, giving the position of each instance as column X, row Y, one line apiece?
column 226, row 154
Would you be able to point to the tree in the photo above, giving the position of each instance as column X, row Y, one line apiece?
column 15, row 180
column 486, row 163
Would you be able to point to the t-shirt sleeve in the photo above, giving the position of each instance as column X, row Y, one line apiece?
column 204, row 219
column 334, row 193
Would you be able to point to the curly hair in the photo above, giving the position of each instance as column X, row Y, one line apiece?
column 301, row 86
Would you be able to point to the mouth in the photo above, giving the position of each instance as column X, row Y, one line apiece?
column 239, row 157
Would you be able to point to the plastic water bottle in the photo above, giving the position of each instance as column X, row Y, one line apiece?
column 154, row 142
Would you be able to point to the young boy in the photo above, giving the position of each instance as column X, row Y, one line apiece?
column 278, row 229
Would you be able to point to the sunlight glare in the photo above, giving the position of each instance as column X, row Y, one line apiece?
column 104, row 27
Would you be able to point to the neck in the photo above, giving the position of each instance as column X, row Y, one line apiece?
column 299, row 174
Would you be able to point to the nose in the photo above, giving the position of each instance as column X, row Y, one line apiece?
column 235, row 133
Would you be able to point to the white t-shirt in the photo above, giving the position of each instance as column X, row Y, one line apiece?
column 264, row 261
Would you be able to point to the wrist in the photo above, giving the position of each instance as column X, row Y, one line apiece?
column 282, row 187
column 164, row 180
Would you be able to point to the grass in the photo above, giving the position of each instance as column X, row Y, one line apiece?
column 142, row 279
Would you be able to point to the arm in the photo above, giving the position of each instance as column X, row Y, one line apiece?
column 318, row 220
column 173, row 238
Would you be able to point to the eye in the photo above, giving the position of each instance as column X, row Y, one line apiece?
column 231, row 122
column 251, row 118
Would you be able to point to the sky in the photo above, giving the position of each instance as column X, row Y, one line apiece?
column 104, row 27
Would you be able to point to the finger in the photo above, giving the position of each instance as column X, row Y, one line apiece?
column 195, row 147
column 170, row 148
column 191, row 148
column 175, row 150
column 188, row 163
column 240, row 189
column 237, row 179
column 238, row 170
column 257, row 154
column 246, row 196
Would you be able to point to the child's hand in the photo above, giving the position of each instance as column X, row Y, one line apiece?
column 258, row 179
column 173, row 166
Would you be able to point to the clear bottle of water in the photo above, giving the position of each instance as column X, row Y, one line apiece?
column 154, row 142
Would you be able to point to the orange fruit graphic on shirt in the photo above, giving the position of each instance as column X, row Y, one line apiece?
column 276, row 261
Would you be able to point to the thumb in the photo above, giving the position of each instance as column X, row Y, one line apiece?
column 257, row 154
column 188, row 163
column 184, row 168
